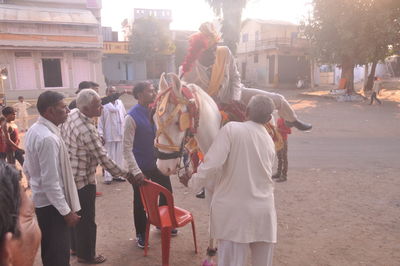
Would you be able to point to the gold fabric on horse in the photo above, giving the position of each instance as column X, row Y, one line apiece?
column 187, row 120
column 218, row 70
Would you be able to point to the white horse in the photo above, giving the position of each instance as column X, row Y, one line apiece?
column 181, row 109
column 175, row 117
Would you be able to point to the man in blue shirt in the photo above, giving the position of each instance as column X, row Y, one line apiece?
column 139, row 153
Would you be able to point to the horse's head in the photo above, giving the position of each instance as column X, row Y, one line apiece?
column 175, row 118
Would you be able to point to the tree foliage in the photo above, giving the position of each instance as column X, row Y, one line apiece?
column 150, row 37
column 231, row 11
column 352, row 32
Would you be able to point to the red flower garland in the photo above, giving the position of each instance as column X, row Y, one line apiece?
column 197, row 44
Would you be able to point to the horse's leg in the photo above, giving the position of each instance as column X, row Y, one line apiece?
column 281, row 104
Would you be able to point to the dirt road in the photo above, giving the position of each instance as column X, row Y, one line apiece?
column 340, row 205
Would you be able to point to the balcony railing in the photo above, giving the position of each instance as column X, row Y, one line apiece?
column 280, row 42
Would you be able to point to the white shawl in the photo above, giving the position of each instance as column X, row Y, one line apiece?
column 70, row 190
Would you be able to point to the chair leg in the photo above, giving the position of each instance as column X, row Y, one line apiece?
column 194, row 237
column 165, row 244
column 146, row 238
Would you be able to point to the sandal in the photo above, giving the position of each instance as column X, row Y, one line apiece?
column 96, row 260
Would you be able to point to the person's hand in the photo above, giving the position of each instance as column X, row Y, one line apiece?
column 29, row 228
column 136, row 180
column 72, row 219
column 184, row 179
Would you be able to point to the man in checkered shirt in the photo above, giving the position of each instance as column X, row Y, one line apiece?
column 86, row 152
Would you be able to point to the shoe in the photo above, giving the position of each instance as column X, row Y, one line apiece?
column 107, row 182
column 99, row 194
column 276, row 176
column 201, row 194
column 281, row 179
column 119, row 179
column 96, row 260
column 140, row 239
column 174, row 232
column 299, row 125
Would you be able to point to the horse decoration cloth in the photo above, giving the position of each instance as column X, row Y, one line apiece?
column 236, row 111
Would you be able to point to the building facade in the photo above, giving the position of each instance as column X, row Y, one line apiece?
column 164, row 61
column 271, row 53
column 119, row 66
column 50, row 44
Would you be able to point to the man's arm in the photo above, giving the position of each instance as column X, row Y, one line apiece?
column 15, row 106
column 92, row 141
column 111, row 98
column 48, row 152
column 129, row 137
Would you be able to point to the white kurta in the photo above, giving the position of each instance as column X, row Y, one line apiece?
column 111, row 128
column 111, row 121
column 238, row 168
column 22, row 114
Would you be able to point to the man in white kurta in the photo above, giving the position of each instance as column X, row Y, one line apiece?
column 213, row 68
column 238, row 169
column 111, row 129
column 22, row 113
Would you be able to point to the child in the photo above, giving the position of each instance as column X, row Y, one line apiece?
column 375, row 90
column 10, row 133
column 22, row 114
column 284, row 130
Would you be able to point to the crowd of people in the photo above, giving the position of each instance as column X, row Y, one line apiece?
column 64, row 147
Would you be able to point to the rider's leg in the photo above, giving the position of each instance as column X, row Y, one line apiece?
column 284, row 109
column 281, row 104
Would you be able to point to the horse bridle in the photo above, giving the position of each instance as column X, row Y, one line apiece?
column 188, row 121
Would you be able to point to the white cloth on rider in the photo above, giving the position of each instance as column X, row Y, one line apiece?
column 239, row 163
column 129, row 137
column 231, row 86
column 233, row 89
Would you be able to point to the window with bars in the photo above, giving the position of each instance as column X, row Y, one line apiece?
column 52, row 75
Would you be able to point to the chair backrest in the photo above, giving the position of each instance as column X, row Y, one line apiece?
column 150, row 193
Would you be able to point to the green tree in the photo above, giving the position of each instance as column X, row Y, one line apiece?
column 383, row 26
column 352, row 32
column 150, row 38
column 231, row 11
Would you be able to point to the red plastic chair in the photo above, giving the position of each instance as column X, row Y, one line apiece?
column 166, row 217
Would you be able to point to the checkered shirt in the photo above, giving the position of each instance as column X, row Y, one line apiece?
column 86, row 150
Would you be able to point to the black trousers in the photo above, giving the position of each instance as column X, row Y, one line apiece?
column 13, row 156
column 55, row 237
column 283, row 160
column 374, row 97
column 84, row 234
column 139, row 215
